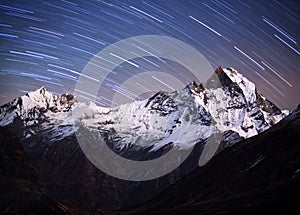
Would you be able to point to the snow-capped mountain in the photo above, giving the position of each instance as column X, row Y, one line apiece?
column 39, row 112
column 38, row 142
column 31, row 107
column 225, row 102
column 235, row 103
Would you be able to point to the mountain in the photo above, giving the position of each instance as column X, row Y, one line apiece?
column 257, row 175
column 31, row 107
column 227, row 101
column 225, row 109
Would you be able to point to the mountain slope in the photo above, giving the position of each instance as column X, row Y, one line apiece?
column 259, row 174
column 19, row 181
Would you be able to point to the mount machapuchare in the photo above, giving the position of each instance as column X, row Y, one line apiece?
column 44, row 168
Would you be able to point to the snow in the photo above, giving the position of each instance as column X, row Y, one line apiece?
column 8, row 118
column 246, row 86
column 131, row 122
column 186, row 136
column 181, row 118
column 237, row 113
column 274, row 118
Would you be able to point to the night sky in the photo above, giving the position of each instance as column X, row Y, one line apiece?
column 48, row 43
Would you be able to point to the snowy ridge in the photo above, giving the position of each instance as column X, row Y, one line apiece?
column 40, row 113
column 30, row 107
column 238, row 106
column 181, row 118
column 177, row 121
column 246, row 86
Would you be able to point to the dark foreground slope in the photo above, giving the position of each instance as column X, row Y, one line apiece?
column 20, row 190
column 260, row 174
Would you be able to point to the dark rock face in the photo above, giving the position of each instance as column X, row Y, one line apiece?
column 19, row 181
column 266, row 105
column 63, row 172
column 257, row 175
column 162, row 103
column 67, row 100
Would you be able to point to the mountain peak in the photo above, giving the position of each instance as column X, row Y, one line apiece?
column 30, row 106
column 40, row 97
column 224, row 78
column 234, row 103
column 42, row 90
column 219, row 70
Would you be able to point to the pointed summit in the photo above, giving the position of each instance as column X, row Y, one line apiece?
column 234, row 102
column 42, row 90
column 219, row 70
column 33, row 105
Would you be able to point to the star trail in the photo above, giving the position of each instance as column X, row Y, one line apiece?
column 48, row 43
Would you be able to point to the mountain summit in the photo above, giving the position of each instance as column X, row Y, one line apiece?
column 225, row 102
column 31, row 107
column 235, row 103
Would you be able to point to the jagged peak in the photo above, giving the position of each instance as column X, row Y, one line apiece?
column 41, row 98
column 43, row 93
column 219, row 70
column 33, row 103
column 225, row 77
column 222, row 77
column 42, row 90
